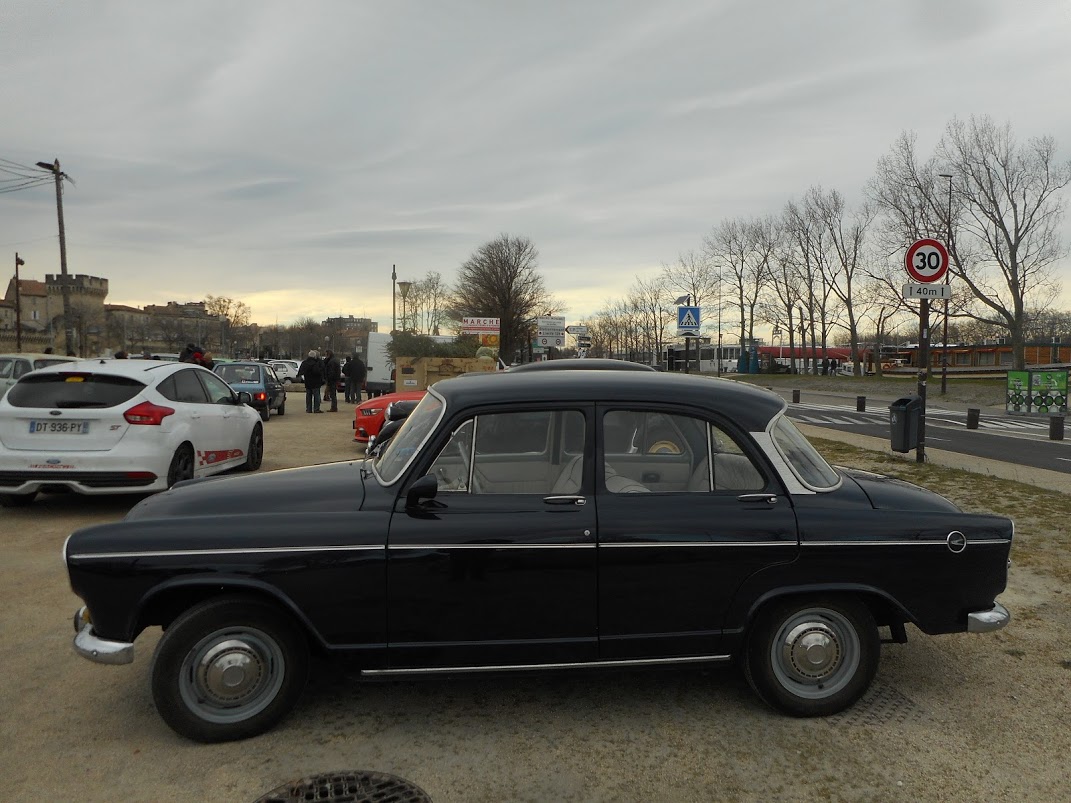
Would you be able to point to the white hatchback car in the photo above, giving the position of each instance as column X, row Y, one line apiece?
column 14, row 366
column 286, row 370
column 121, row 426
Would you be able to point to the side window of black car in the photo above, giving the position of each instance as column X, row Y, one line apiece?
column 733, row 469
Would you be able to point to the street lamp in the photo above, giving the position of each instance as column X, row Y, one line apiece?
column 944, row 337
column 393, row 299
column 403, row 288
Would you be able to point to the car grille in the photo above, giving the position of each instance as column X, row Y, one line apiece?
column 91, row 479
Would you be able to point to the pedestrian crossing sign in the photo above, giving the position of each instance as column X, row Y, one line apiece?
column 688, row 321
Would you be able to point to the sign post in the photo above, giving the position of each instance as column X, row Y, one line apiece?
column 926, row 262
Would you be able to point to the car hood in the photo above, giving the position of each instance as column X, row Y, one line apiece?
column 332, row 487
column 887, row 493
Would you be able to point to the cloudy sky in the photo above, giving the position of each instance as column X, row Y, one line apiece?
column 287, row 154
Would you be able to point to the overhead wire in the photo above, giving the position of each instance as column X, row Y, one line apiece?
column 25, row 185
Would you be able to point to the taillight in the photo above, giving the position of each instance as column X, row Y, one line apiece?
column 148, row 414
column 261, row 396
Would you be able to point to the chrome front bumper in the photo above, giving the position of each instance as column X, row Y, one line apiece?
column 987, row 621
column 93, row 648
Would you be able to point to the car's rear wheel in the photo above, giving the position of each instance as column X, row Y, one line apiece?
column 812, row 657
column 181, row 467
column 17, row 500
column 228, row 669
column 254, row 455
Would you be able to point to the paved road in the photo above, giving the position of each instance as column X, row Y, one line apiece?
column 1011, row 439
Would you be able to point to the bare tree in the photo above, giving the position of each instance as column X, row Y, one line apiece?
column 1004, row 215
column 237, row 313
column 501, row 280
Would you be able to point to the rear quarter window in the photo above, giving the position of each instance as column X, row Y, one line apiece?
column 72, row 391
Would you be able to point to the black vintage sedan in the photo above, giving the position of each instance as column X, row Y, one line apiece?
column 532, row 521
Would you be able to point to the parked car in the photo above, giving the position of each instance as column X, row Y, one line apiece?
column 368, row 415
column 538, row 520
column 259, row 381
column 120, row 426
column 14, row 366
column 286, row 370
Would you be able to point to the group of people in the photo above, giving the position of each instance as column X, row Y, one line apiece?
column 325, row 372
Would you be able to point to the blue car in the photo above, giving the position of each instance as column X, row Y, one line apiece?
column 259, row 381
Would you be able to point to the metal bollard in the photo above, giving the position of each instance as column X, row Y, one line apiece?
column 860, row 404
column 973, row 414
column 1056, row 428
column 795, row 397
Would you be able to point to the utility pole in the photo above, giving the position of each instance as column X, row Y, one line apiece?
column 948, row 245
column 65, row 287
column 18, row 304
column 393, row 299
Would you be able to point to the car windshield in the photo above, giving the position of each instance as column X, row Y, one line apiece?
column 239, row 374
column 805, row 462
column 73, row 390
column 404, row 445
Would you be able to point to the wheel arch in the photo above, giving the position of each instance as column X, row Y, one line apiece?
column 166, row 602
column 886, row 609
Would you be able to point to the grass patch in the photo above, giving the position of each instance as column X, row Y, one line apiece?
column 1040, row 515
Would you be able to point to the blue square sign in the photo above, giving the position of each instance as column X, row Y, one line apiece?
column 688, row 321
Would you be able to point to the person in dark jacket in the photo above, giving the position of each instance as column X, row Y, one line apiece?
column 311, row 372
column 332, row 373
column 355, row 374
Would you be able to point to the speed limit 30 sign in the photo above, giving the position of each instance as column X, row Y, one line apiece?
column 927, row 261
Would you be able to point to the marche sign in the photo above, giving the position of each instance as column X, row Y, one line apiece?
column 688, row 321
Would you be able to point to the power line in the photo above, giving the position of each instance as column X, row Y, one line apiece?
column 25, row 185
column 28, row 168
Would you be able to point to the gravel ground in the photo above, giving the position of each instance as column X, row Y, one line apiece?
column 959, row 717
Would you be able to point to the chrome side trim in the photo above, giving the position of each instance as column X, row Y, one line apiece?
column 696, row 659
column 102, row 651
column 988, row 621
column 668, row 544
column 164, row 553
column 592, row 545
column 927, row 542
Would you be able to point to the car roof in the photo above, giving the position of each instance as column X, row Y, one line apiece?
column 136, row 369
column 750, row 406
column 581, row 364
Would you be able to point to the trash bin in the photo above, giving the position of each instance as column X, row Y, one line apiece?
column 904, row 423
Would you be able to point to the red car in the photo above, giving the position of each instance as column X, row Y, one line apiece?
column 368, row 416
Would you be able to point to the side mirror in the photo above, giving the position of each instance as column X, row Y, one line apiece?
column 424, row 488
column 244, row 397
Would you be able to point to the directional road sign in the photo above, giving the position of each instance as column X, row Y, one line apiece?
column 927, row 260
column 576, row 329
column 688, row 321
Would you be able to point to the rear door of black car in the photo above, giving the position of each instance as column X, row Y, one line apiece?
column 686, row 511
column 500, row 569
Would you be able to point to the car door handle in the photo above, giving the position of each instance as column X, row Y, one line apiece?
column 565, row 500
column 768, row 498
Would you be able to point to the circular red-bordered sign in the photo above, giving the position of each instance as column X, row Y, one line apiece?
column 927, row 260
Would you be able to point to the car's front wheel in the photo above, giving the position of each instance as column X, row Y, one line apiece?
column 254, row 455
column 228, row 669
column 181, row 467
column 812, row 656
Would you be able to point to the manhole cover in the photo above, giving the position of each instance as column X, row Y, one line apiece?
column 348, row 787
column 880, row 706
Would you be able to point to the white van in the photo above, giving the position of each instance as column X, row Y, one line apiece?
column 379, row 364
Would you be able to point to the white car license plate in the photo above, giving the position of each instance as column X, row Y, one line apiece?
column 60, row 427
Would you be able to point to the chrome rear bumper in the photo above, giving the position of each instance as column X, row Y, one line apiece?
column 987, row 621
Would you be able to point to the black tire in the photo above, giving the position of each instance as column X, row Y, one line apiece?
column 228, row 669
column 812, row 657
column 254, row 454
column 17, row 500
column 282, row 408
column 181, row 467
column 265, row 412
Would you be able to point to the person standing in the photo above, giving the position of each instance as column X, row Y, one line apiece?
column 311, row 373
column 332, row 373
column 355, row 375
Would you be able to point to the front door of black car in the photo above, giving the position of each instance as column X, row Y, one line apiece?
column 500, row 568
column 685, row 515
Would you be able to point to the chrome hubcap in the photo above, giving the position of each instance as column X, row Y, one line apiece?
column 230, row 671
column 811, row 652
